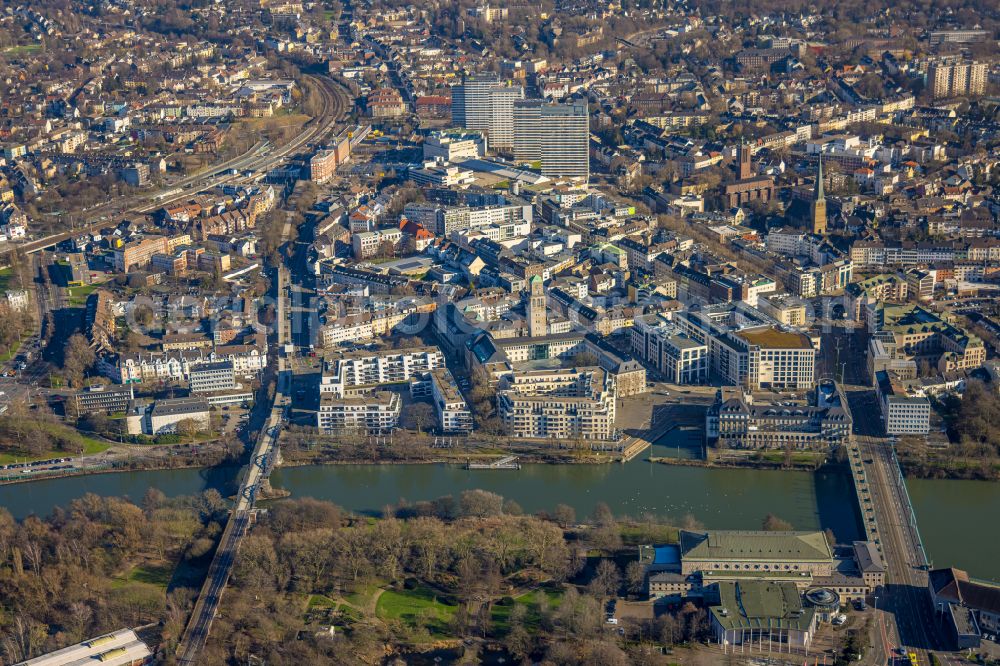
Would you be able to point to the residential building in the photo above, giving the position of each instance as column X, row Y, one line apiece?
column 573, row 404
column 951, row 78
column 347, row 371
column 453, row 413
column 376, row 412
column 558, row 135
column 482, row 102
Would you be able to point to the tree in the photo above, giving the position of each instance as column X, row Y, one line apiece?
column 772, row 523
column 78, row 356
column 188, row 428
column 564, row 515
column 607, row 578
column 635, row 577
column 420, row 415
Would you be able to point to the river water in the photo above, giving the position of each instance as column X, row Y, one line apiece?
column 957, row 518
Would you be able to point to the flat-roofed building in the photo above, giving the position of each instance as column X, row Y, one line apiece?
column 365, row 369
column 453, row 413
column 754, row 612
column 105, row 399
column 376, row 412
column 903, row 412
column 785, row 308
column 211, row 377
column 674, row 354
column 558, row 404
column 119, row 648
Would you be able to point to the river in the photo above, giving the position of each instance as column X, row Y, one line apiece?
column 953, row 515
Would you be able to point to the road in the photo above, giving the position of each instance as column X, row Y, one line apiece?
column 908, row 615
column 259, row 158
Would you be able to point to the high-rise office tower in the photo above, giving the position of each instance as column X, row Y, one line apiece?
column 556, row 134
column 484, row 103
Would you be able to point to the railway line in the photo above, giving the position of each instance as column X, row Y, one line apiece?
column 260, row 157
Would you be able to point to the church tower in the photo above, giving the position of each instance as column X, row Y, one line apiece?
column 537, row 325
column 819, row 204
column 744, row 168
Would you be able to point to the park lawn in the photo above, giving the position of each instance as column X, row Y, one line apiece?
column 412, row 606
column 150, row 578
column 634, row 535
column 500, row 613
column 5, row 275
column 361, row 597
column 90, row 446
column 321, row 601
column 11, row 353
column 23, row 49
column 78, row 295
column 798, row 457
column 152, row 574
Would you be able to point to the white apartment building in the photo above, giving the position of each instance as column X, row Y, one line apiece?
column 453, row 413
column 376, row 412
column 359, row 369
column 211, row 377
column 558, row 404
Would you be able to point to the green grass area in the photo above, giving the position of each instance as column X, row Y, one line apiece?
column 361, row 597
column 23, row 49
column 90, row 446
column 11, row 352
column 78, row 295
column 419, row 606
column 532, row 601
column 634, row 535
column 797, row 458
column 152, row 574
column 5, row 275
column 321, row 601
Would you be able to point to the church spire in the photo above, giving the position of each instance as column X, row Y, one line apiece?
column 819, row 180
column 819, row 204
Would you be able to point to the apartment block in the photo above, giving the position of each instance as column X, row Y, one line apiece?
column 359, row 369
column 375, row 413
column 558, row 404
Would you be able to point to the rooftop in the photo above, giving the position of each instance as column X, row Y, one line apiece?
column 774, row 338
column 755, row 545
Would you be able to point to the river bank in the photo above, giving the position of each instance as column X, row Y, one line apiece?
column 952, row 514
